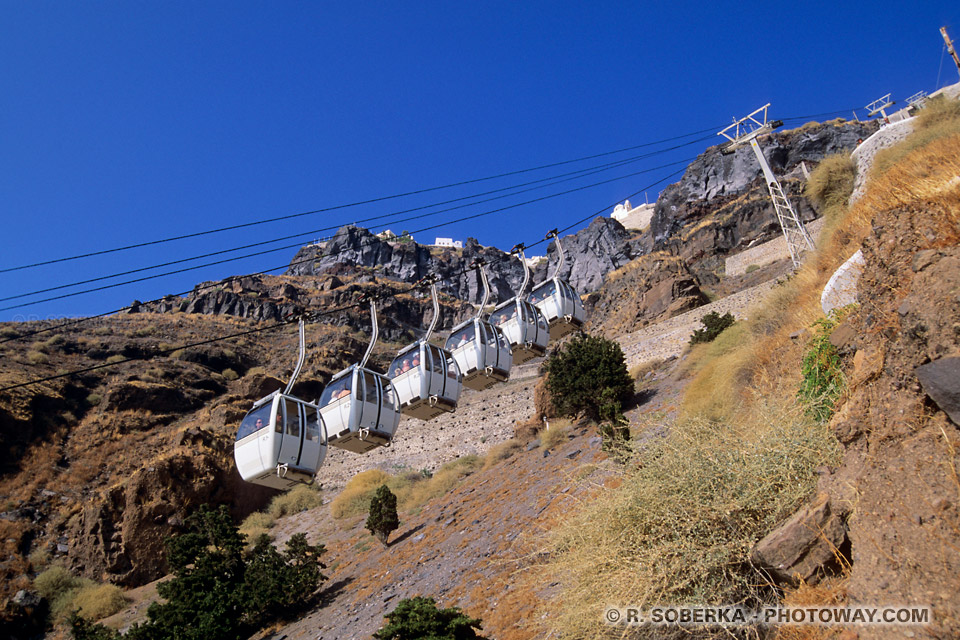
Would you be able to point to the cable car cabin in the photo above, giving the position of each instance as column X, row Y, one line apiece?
column 280, row 443
column 482, row 353
column 360, row 410
column 427, row 380
column 560, row 305
column 524, row 327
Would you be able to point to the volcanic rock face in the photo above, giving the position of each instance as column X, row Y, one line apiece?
column 588, row 256
column 715, row 176
column 656, row 287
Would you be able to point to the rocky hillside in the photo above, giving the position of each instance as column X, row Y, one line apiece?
column 589, row 255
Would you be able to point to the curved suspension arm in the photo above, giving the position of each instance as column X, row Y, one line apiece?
column 486, row 287
column 526, row 270
column 300, row 359
column 436, row 309
column 373, row 338
column 553, row 234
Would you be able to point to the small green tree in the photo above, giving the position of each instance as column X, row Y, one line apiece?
column 383, row 518
column 419, row 619
column 713, row 325
column 589, row 374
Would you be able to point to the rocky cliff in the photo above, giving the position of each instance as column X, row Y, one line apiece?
column 589, row 255
column 721, row 205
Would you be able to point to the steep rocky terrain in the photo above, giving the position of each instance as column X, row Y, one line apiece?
column 100, row 467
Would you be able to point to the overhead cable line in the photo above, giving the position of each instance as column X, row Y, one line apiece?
column 515, row 190
column 287, row 247
column 347, row 205
column 314, row 315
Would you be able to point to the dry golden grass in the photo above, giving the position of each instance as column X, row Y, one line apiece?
column 688, row 510
column 355, row 497
column 501, row 452
column 555, row 435
column 300, row 498
column 940, row 118
column 95, row 602
column 255, row 525
column 412, row 489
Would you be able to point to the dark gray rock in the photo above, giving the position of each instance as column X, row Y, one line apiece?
column 714, row 179
column 590, row 254
column 941, row 381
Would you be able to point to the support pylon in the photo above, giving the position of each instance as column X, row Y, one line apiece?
column 746, row 131
column 949, row 43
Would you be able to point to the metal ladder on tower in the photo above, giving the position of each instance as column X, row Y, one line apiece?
column 746, row 131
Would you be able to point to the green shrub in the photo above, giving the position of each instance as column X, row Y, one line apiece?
column 230, row 374
column 713, row 325
column 383, row 518
column 300, row 498
column 94, row 399
column 582, row 371
column 217, row 593
column 355, row 497
column 116, row 359
column 751, row 268
column 831, row 183
column 37, row 357
column 419, row 618
column 822, row 381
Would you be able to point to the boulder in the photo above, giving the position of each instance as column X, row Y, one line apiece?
column 803, row 547
column 941, row 381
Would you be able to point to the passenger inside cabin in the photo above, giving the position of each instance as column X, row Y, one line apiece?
column 416, row 361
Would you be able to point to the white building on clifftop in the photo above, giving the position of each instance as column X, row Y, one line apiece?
column 633, row 217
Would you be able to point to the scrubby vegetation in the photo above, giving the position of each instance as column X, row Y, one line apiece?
column 67, row 593
column 822, row 379
column 419, row 619
column 679, row 526
column 831, row 183
column 938, row 119
column 218, row 592
column 713, row 325
column 588, row 375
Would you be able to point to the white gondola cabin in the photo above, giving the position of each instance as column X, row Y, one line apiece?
column 281, row 441
column 479, row 348
column 426, row 377
column 481, row 352
column 521, row 322
column 360, row 410
column 558, row 302
column 359, row 407
column 427, row 380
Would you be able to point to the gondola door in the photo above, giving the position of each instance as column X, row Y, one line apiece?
column 292, row 444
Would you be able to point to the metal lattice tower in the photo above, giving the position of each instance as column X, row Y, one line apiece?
column 746, row 131
column 880, row 106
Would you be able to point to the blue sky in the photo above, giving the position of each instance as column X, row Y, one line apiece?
column 123, row 122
